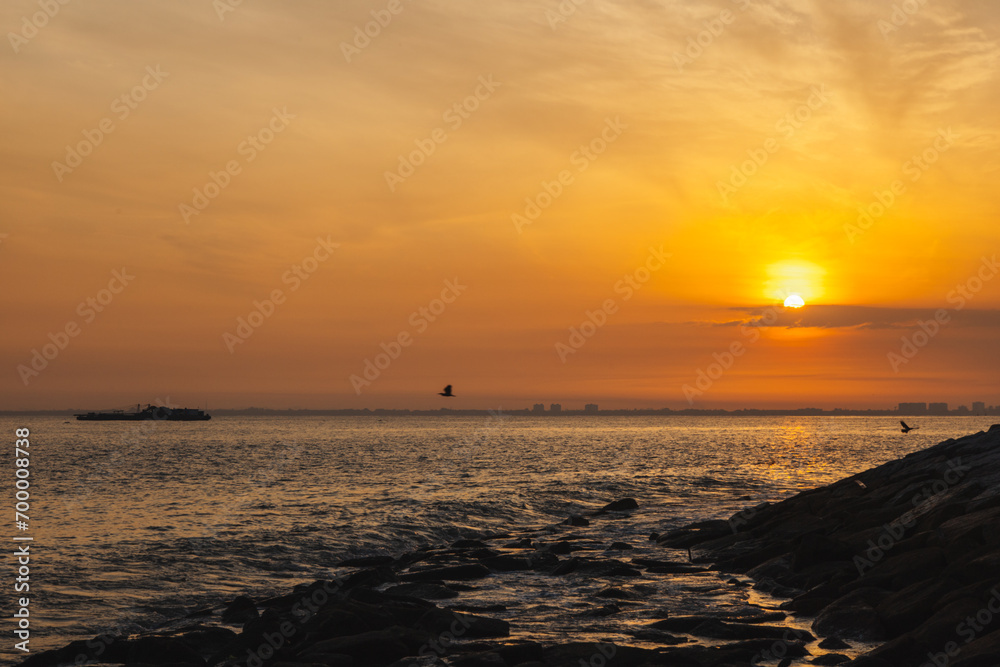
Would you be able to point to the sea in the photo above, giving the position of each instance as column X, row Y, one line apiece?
column 138, row 523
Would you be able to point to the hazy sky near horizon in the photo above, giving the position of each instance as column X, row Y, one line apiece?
column 476, row 179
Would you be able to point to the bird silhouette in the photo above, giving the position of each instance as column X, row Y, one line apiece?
column 446, row 392
column 906, row 429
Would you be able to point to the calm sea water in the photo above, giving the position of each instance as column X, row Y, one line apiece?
column 137, row 523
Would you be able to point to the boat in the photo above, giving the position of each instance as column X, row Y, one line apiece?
column 157, row 412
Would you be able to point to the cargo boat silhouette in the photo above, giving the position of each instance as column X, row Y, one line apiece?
column 158, row 412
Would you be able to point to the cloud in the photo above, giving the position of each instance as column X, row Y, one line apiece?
column 859, row 317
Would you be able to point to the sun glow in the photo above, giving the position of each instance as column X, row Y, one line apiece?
column 794, row 301
column 794, row 281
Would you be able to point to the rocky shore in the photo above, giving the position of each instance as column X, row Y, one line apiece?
column 903, row 558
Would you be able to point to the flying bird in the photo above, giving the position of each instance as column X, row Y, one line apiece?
column 446, row 392
column 906, row 429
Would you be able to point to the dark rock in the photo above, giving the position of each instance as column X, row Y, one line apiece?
column 517, row 654
column 371, row 578
column 607, row 567
column 576, row 520
column 543, row 560
column 561, row 548
column 658, row 636
column 623, row 505
column 614, row 594
column 656, row 566
column 367, row 561
column 102, row 648
column 728, row 655
column 818, row 548
column 620, row 546
column 906, row 609
column 454, row 572
column 425, row 590
column 465, row 626
column 506, row 563
column 480, row 659
column 853, row 616
column 833, row 644
column 379, row 647
column 565, row 567
column 162, row 650
column 478, row 608
column 607, row 610
column 900, row 570
column 716, row 629
column 524, row 543
column 830, row 659
column 240, row 610
column 982, row 652
column 469, row 544
column 592, row 653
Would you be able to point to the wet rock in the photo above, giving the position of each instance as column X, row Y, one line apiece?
column 466, row 626
column 561, row 548
column 830, row 659
column 656, row 566
column 732, row 654
column 240, row 610
column 695, row 533
column 622, row 505
column 518, row 654
column 425, row 590
column 480, row 659
column 772, row 587
column 900, row 570
column 506, row 563
column 600, row 612
column 543, row 560
column 524, row 543
column 620, row 546
column 658, row 636
column 565, row 567
column 595, row 653
column 818, row 548
column 853, row 616
column 608, row 567
column 576, row 520
column 478, row 608
column 614, row 594
column 833, row 644
column 906, row 609
column 469, row 544
column 367, row 561
column 982, row 652
column 101, row 648
column 717, row 629
column 161, row 651
column 371, row 577
column 379, row 647
column 454, row 572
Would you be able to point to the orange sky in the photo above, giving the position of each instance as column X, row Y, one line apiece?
column 716, row 153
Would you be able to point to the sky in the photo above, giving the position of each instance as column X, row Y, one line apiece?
column 352, row 204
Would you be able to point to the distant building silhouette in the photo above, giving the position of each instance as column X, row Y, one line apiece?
column 913, row 408
column 962, row 409
column 555, row 407
column 937, row 408
column 538, row 408
column 590, row 408
column 978, row 408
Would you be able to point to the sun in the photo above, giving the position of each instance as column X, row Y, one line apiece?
column 794, row 301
